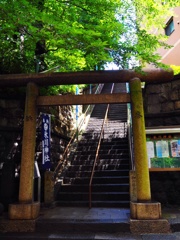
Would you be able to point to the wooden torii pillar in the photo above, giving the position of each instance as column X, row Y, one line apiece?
column 26, row 208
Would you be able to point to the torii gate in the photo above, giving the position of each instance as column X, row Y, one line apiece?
column 143, row 208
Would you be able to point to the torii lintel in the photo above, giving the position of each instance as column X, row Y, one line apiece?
column 85, row 77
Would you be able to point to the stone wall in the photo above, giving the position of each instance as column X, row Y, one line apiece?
column 162, row 103
column 11, row 112
column 11, row 120
column 162, row 108
column 11, row 126
column 11, row 123
column 165, row 187
column 11, row 129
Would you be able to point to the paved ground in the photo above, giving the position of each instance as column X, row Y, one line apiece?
column 90, row 236
column 78, row 213
column 94, row 215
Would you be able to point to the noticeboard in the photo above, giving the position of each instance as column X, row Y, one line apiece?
column 163, row 150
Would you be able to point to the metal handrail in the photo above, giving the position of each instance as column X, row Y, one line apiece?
column 130, row 137
column 64, row 157
column 97, row 152
column 90, row 107
column 62, row 162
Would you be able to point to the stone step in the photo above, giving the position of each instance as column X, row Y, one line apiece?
column 124, row 187
column 96, row 196
column 110, row 184
column 103, row 147
column 78, row 174
column 82, row 168
column 105, row 204
column 107, row 173
column 112, row 133
column 96, row 180
column 111, row 150
column 102, row 167
column 89, row 161
column 104, row 159
column 83, row 160
column 95, row 141
column 83, row 226
column 112, row 166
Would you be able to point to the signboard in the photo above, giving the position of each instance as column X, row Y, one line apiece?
column 46, row 137
column 163, row 151
column 150, row 150
column 175, row 148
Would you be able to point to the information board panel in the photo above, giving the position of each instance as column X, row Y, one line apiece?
column 163, row 151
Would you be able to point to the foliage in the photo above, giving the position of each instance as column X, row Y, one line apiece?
column 176, row 69
column 152, row 13
column 70, row 34
column 165, row 162
column 61, row 89
column 144, row 23
column 79, row 35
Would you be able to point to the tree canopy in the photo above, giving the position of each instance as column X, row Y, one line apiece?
column 73, row 35
column 176, row 69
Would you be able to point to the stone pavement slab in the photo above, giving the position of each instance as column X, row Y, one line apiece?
column 88, row 236
column 172, row 214
column 158, row 237
column 70, row 216
column 78, row 213
column 75, row 219
column 117, row 236
column 171, row 236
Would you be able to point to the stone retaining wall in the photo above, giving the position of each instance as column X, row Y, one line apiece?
column 11, row 129
column 162, row 108
column 162, row 103
column 165, row 187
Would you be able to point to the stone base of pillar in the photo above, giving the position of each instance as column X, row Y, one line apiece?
column 24, row 211
column 146, row 218
column 149, row 226
column 145, row 211
column 17, row 226
column 133, row 187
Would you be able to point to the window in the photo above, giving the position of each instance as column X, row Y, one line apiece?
column 169, row 27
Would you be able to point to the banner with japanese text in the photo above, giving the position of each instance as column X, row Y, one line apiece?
column 46, row 137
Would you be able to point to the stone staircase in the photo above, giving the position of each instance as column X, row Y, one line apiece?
column 110, row 184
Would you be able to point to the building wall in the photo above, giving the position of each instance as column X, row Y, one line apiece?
column 172, row 56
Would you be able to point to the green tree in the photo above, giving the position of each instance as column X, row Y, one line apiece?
column 176, row 69
column 73, row 35
column 143, row 35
